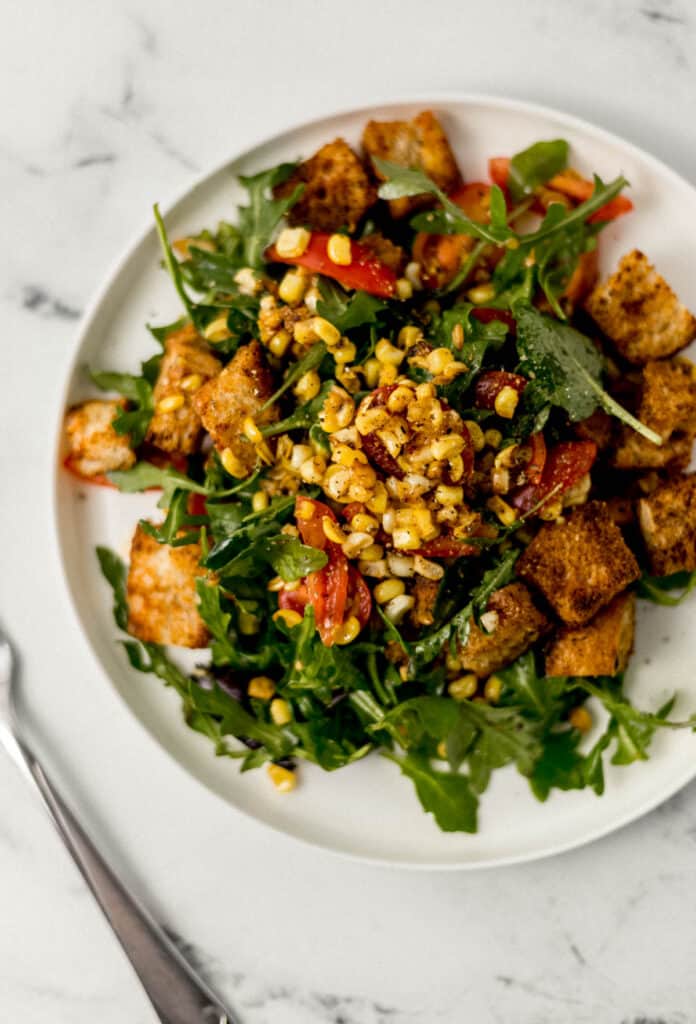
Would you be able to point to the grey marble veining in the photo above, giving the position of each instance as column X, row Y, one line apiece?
column 107, row 107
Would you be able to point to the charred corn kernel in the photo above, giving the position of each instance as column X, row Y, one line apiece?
column 413, row 274
column 371, row 369
column 404, row 288
column 249, row 624
column 388, row 374
column 398, row 607
column 505, row 513
column 300, row 454
column 308, row 386
column 251, row 431
column 337, row 483
column 580, row 718
column 312, row 471
column 376, row 569
column 424, row 523
column 332, row 530
column 326, row 331
column 217, row 330
column 355, row 543
column 191, row 382
column 551, row 510
column 344, row 455
column 493, row 689
column 405, row 538
column 281, row 712
column 427, row 569
column 379, row 500
column 304, row 332
column 387, row 353
column 457, row 336
column 305, row 510
column 449, row 495
column 442, row 750
column 259, row 501
column 388, row 589
column 401, row 565
column 292, row 242
column 276, row 584
column 364, row 523
column 348, row 631
column 373, row 553
column 456, row 468
column 231, row 464
column 261, row 687
column 447, row 446
column 481, row 293
column 477, row 436
column 280, row 342
column 312, row 296
column 464, row 687
column 247, row 281
column 371, row 419
column 287, row 615
column 338, row 250
column 344, row 352
column 507, row 458
column 293, row 287
column 348, row 377
column 425, row 391
column 410, row 336
column 493, row 438
column 283, row 779
column 338, row 411
column 400, row 398
column 506, row 402
column 171, row 403
column 438, row 359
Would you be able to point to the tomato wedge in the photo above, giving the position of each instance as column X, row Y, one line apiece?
column 445, row 547
column 568, row 183
column 499, row 170
column 365, row 272
column 565, row 464
column 490, row 384
column 441, row 256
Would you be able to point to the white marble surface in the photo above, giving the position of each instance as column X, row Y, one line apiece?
column 107, row 106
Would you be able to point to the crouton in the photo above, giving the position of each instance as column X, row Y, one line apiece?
column 418, row 143
column 337, row 190
column 598, row 428
column 161, row 592
column 94, row 447
column 640, row 313
column 226, row 401
column 425, row 593
column 667, row 520
column 579, row 564
column 515, row 623
column 185, row 355
column 601, row 648
column 666, row 404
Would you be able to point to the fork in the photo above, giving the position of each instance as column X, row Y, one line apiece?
column 177, row 993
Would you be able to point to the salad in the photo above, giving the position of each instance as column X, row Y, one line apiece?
column 416, row 464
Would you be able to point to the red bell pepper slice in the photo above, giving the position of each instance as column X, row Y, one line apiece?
column 491, row 383
column 365, row 272
column 566, row 463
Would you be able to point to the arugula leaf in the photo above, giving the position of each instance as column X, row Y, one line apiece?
column 260, row 218
column 226, row 647
column 177, row 519
column 318, row 668
column 534, row 166
column 503, row 736
column 536, row 694
column 346, row 311
column 656, row 588
column 325, row 742
column 305, row 417
column 602, row 195
column 563, row 766
column 162, row 332
column 565, row 367
column 254, row 528
column 446, row 795
column 145, row 475
column 291, row 559
column 309, row 361
column 173, row 268
column 138, row 391
column 115, row 572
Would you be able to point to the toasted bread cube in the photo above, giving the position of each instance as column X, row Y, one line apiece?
column 337, row 189
column 419, row 143
column 597, row 427
column 225, row 402
column 579, row 565
column 600, row 648
column 515, row 624
column 425, row 593
column 667, row 520
column 185, row 355
column 640, row 313
column 161, row 592
column 666, row 404
column 94, row 447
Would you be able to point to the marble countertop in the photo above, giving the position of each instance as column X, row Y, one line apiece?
column 102, row 103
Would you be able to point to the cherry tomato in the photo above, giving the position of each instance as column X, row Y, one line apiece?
column 373, row 446
column 486, row 314
column 499, row 170
column 571, row 184
column 445, row 547
column 491, row 383
column 364, row 272
column 566, row 463
column 441, row 256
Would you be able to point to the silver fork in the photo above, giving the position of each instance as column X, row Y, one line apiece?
column 177, row 993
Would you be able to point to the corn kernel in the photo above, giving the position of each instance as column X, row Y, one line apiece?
column 344, row 352
column 293, row 287
column 332, row 530
column 413, row 274
column 477, row 436
column 304, row 332
column 280, row 342
column 289, row 616
column 292, row 242
column 276, row 584
column 404, row 288
column 506, row 402
column 438, row 359
column 259, row 501
column 281, row 712
column 401, row 565
column 249, row 624
column 348, row 631
column 427, row 569
column 388, row 589
column 405, row 538
column 171, row 403
column 493, row 438
column 308, row 386
column 581, row 719
column 232, row 465
column 191, row 382
column 388, row 374
column 442, row 750
column 261, row 687
column 338, row 411
column 410, row 336
column 217, row 330
column 400, row 398
column 551, row 510
column 305, row 511
column 338, row 249
column 247, row 281
column 326, row 331
column 449, row 496
column 363, row 523
column 397, row 608
column 312, row 471
column 464, row 687
column 355, row 543
column 505, row 513
column 251, row 431
column 481, row 293
column 457, row 336
column 493, row 689
column 447, row 446
column 337, row 482
column 387, row 353
column 371, row 369
column 372, row 554
column 379, row 500
column 283, row 779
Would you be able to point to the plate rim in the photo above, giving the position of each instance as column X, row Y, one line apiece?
column 113, row 270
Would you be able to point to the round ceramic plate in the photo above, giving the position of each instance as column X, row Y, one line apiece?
column 368, row 810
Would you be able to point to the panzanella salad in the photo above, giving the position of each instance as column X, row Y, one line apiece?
column 416, row 465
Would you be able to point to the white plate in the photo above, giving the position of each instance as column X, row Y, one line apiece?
column 368, row 811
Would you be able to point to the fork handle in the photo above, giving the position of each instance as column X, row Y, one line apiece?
column 176, row 992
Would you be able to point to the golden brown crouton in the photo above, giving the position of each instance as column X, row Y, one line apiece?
column 94, row 447
column 668, row 523
column 640, row 313
column 186, row 355
column 601, row 648
column 337, row 189
column 580, row 564
column 419, row 143
column 161, row 592
column 515, row 623
column 666, row 404
column 425, row 593
column 235, row 394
